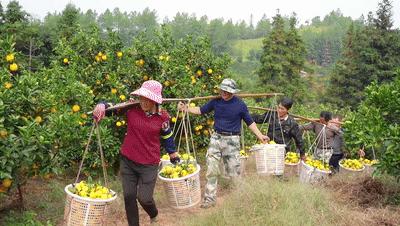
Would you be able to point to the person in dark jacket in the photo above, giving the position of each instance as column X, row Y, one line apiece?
column 325, row 132
column 338, row 143
column 282, row 127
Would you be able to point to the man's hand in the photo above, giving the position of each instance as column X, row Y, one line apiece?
column 361, row 153
column 99, row 112
column 303, row 157
column 182, row 106
column 264, row 139
column 174, row 158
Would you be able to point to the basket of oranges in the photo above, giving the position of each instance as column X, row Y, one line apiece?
column 351, row 166
column 313, row 170
column 181, row 183
column 87, row 204
column 292, row 163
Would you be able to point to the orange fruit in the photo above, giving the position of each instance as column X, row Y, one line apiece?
column 13, row 67
column 8, row 85
column 38, row 119
column 7, row 182
column 141, row 62
column 3, row 133
column 10, row 57
column 76, row 108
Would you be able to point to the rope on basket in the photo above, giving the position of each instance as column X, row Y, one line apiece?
column 321, row 135
column 275, row 118
column 185, row 127
column 95, row 126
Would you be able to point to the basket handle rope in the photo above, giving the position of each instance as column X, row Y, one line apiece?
column 319, row 136
column 184, row 127
column 95, row 126
column 273, row 119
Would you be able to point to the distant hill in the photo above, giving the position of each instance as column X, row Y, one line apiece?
column 243, row 47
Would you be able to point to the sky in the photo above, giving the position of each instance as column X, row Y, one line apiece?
column 236, row 10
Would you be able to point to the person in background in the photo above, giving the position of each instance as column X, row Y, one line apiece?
column 229, row 111
column 338, row 143
column 147, row 128
column 326, row 135
column 282, row 127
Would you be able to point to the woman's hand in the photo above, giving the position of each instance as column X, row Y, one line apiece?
column 99, row 112
column 182, row 106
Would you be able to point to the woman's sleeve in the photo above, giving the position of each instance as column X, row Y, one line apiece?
column 120, row 111
column 167, row 138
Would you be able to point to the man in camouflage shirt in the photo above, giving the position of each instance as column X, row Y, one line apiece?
column 229, row 111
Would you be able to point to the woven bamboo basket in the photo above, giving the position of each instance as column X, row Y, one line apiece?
column 309, row 174
column 86, row 211
column 165, row 162
column 344, row 170
column 183, row 192
column 270, row 158
column 292, row 169
column 369, row 169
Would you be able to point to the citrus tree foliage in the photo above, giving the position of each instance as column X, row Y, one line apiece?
column 43, row 122
column 376, row 126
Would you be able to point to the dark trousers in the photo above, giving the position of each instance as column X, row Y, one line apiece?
column 138, row 182
column 334, row 161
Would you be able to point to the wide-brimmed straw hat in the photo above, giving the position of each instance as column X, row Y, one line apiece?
column 229, row 85
column 151, row 90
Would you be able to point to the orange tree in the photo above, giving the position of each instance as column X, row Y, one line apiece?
column 185, row 67
column 376, row 126
column 44, row 125
column 21, row 117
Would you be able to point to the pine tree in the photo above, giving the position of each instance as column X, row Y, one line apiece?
column 283, row 58
column 15, row 14
column 274, row 49
column 296, row 51
column 371, row 53
column 384, row 13
column 1, row 16
column 68, row 22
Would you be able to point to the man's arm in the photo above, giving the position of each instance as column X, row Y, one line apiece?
column 263, row 138
column 185, row 107
column 309, row 126
column 296, row 134
column 263, row 118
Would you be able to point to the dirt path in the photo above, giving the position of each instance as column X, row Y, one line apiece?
column 167, row 216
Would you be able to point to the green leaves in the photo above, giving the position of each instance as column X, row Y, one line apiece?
column 376, row 126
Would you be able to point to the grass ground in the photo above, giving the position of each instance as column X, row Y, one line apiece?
column 255, row 200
